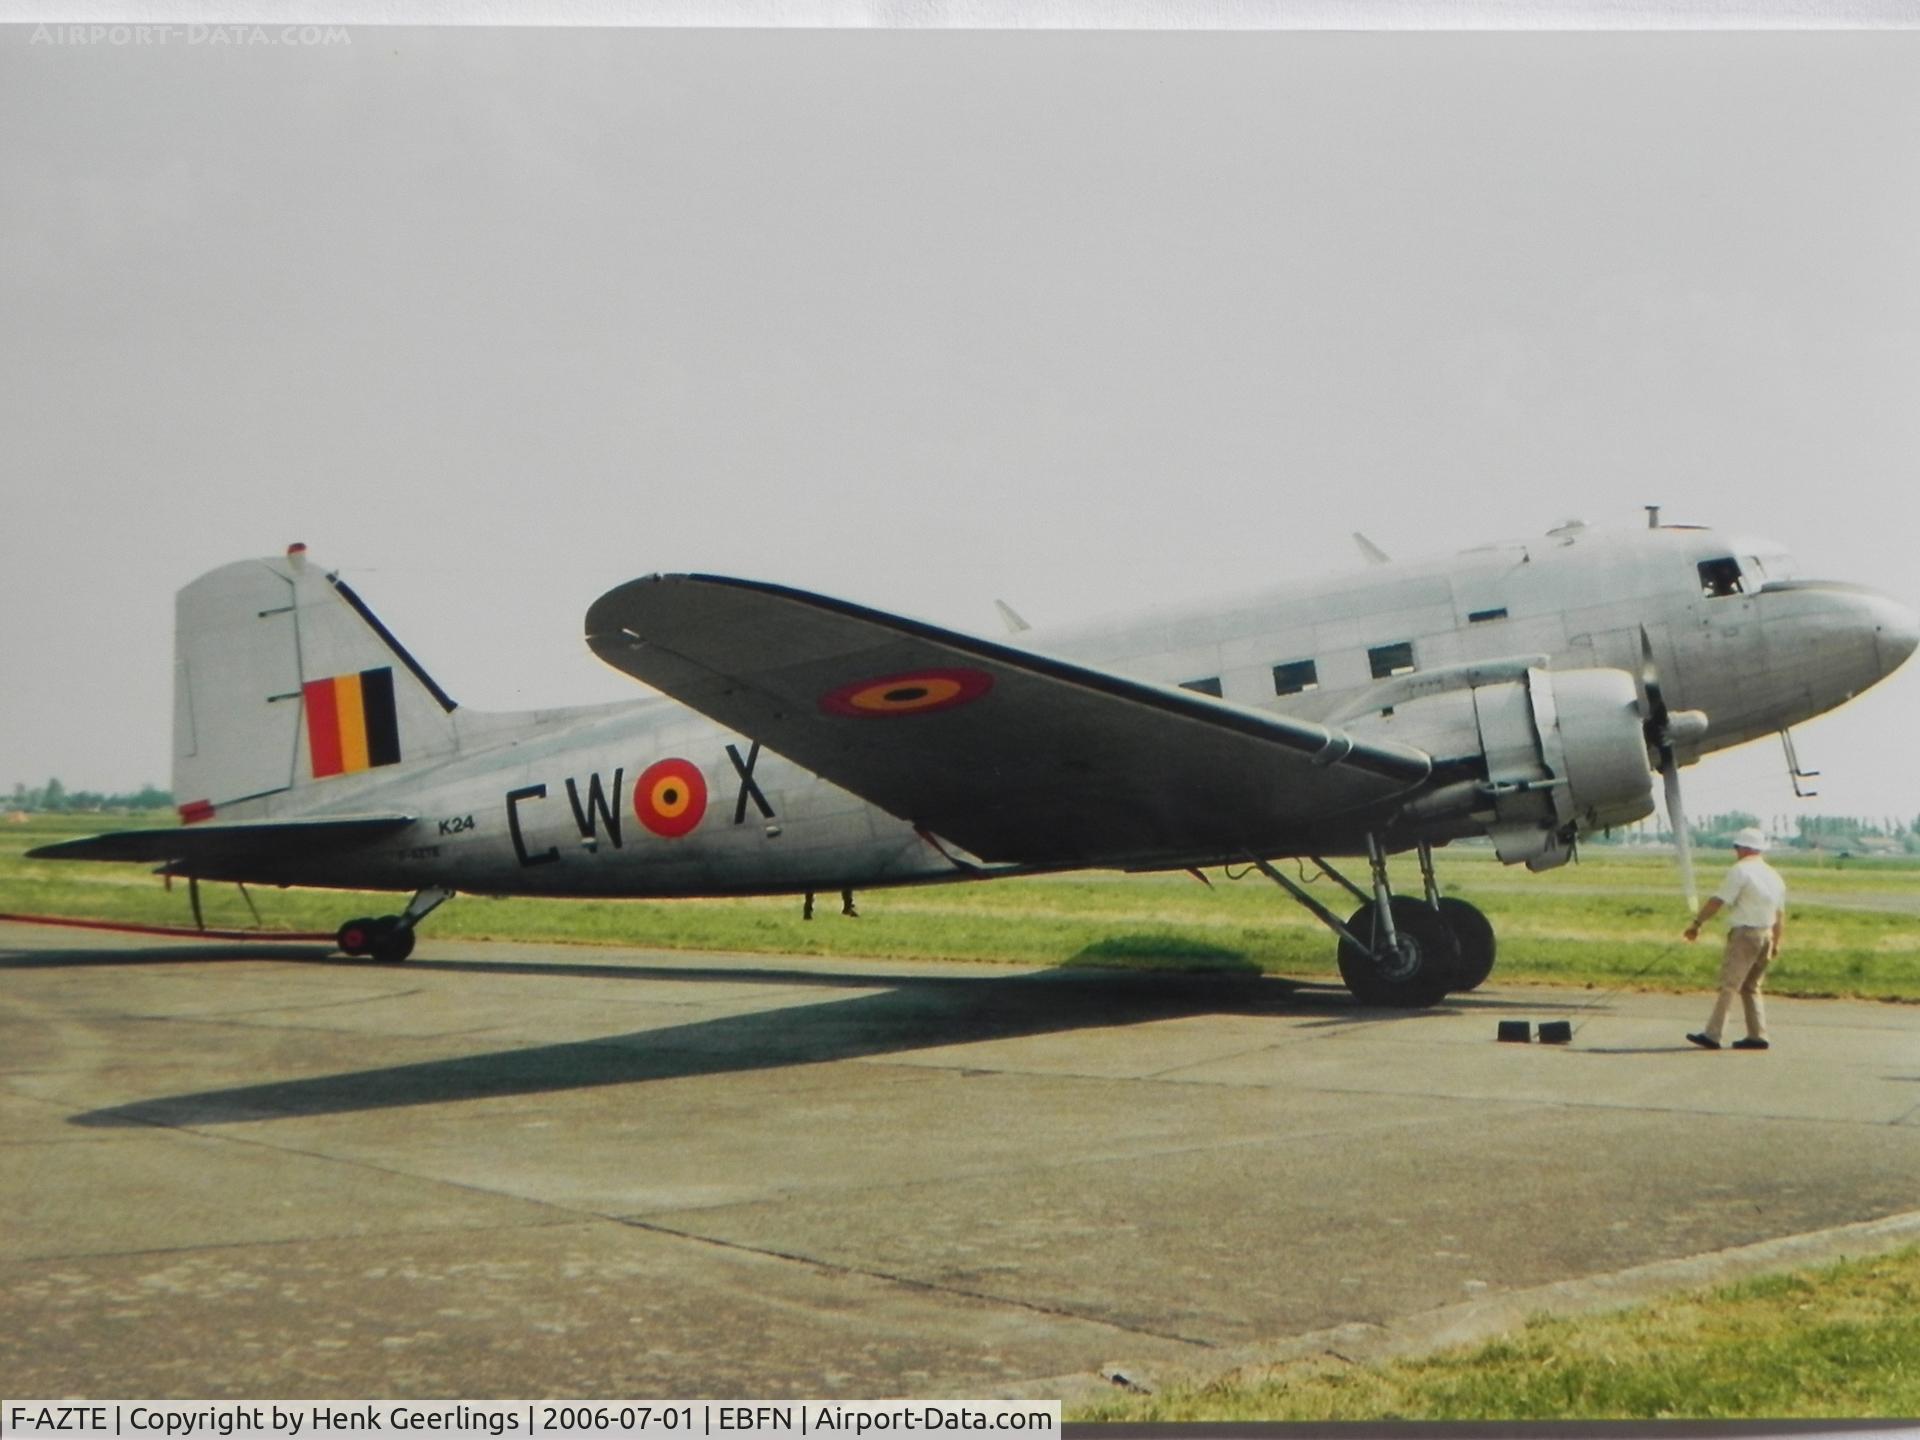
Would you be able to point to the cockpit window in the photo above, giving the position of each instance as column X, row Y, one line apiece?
column 1720, row 577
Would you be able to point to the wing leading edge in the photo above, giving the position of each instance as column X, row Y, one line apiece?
column 1019, row 757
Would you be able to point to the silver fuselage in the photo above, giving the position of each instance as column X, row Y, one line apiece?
column 543, row 803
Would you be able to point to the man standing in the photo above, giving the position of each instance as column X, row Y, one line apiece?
column 1755, row 899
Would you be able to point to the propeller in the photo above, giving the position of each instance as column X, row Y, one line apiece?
column 1666, row 729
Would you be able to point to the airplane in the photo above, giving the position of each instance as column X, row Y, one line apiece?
column 1524, row 693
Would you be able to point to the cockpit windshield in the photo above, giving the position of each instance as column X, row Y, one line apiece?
column 1720, row 577
column 1750, row 569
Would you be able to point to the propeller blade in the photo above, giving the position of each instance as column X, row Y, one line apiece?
column 1653, row 703
column 1682, row 838
column 1662, row 727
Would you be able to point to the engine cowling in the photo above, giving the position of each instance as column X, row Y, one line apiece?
column 1564, row 751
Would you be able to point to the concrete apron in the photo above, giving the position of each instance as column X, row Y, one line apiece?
column 507, row 1170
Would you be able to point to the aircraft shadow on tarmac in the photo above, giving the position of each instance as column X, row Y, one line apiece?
column 913, row 1012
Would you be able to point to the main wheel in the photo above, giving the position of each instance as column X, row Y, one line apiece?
column 1416, row 971
column 1473, row 942
column 392, row 941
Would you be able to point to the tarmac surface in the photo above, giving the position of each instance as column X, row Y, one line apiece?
column 520, row 1171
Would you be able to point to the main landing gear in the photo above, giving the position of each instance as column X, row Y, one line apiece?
column 1397, row 950
column 389, row 939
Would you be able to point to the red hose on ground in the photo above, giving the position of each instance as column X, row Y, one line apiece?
column 182, row 931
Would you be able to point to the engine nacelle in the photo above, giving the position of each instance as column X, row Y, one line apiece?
column 1564, row 751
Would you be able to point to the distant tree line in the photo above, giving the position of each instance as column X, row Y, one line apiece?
column 1889, row 834
column 1849, row 832
column 55, row 797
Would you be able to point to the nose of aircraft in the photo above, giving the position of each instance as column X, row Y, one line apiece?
column 1838, row 639
column 1896, row 629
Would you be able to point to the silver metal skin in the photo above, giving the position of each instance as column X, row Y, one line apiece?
column 1529, row 692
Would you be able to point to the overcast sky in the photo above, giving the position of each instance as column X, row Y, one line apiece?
column 494, row 320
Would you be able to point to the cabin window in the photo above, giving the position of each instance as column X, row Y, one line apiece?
column 1480, row 617
column 1390, row 660
column 1208, row 686
column 1719, row 577
column 1295, row 677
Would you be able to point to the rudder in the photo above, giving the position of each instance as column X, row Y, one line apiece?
column 283, row 680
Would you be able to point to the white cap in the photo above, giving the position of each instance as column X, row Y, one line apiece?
column 1750, row 839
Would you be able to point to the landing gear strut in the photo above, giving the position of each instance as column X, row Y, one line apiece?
column 1396, row 950
column 1469, row 929
column 389, row 938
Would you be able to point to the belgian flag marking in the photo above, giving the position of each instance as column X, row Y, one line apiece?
column 351, row 722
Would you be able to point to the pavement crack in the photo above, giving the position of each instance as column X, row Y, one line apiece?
column 910, row 1282
column 585, row 1214
column 1265, row 1047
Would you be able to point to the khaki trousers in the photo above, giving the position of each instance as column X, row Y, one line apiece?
column 1744, row 965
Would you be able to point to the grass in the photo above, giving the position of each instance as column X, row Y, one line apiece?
column 1616, row 916
column 1838, row 1342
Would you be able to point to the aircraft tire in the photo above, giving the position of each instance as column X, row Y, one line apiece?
column 1417, row 974
column 356, row 937
column 392, row 941
column 1473, row 943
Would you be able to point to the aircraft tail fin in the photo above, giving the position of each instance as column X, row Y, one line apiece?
column 284, row 680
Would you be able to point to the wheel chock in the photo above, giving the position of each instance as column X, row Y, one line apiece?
column 1556, row 1032
column 1516, row 1032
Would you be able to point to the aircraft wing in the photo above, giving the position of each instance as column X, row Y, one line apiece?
column 214, row 840
column 1018, row 757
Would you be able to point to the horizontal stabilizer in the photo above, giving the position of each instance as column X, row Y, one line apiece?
column 1017, row 756
column 213, row 841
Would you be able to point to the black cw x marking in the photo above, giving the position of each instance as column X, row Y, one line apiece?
column 748, row 788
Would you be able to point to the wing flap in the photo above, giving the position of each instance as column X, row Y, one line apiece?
column 1019, row 757
column 223, row 840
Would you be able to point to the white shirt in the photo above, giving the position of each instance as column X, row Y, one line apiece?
column 1753, row 893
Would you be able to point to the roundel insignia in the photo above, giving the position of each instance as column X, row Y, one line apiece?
column 670, row 797
column 918, row 692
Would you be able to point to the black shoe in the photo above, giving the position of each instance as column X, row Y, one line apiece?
column 1750, row 1043
column 1705, row 1042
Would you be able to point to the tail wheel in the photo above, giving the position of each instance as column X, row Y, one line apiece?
column 1415, row 971
column 1473, row 942
column 356, row 937
column 385, row 939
